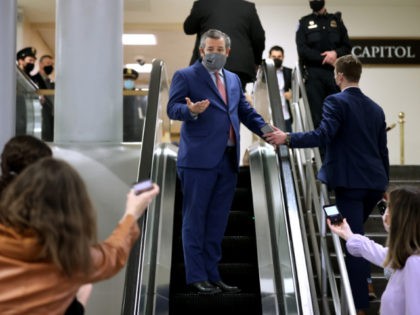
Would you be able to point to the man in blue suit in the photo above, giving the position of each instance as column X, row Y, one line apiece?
column 356, row 163
column 210, row 102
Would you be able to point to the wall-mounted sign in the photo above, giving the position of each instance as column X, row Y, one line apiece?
column 387, row 51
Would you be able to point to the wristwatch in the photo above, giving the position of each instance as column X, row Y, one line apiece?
column 288, row 139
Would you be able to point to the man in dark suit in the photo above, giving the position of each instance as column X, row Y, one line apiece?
column 356, row 164
column 240, row 20
column 284, row 79
column 210, row 102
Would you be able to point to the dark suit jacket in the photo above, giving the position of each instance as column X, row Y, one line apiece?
column 287, row 74
column 203, row 140
column 353, row 129
column 239, row 20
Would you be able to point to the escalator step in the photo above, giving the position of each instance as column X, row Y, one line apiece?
column 244, row 276
column 242, row 200
column 238, row 249
column 240, row 223
column 218, row 304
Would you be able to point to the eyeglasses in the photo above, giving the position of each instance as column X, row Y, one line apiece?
column 381, row 206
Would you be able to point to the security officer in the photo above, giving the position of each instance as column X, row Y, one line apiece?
column 321, row 38
column 134, row 108
column 26, row 59
column 130, row 76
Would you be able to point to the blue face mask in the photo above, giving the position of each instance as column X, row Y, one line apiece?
column 214, row 61
column 129, row 84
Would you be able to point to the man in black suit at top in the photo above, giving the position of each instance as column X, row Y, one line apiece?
column 284, row 78
column 240, row 20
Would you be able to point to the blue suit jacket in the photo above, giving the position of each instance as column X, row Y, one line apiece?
column 353, row 129
column 204, row 139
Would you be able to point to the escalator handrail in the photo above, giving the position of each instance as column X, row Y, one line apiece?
column 132, row 287
column 347, row 305
column 305, row 290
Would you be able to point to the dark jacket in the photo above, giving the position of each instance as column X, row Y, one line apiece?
column 353, row 130
column 239, row 20
column 319, row 33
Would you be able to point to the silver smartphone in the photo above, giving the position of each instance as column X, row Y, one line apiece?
column 267, row 129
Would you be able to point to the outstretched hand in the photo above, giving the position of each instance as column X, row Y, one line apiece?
column 276, row 137
column 137, row 204
column 197, row 107
column 343, row 229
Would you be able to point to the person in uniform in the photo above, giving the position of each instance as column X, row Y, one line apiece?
column 26, row 58
column 134, row 108
column 321, row 38
column 25, row 61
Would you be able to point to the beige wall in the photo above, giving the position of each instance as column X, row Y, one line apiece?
column 27, row 36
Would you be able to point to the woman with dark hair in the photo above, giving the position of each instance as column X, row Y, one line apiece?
column 402, row 254
column 18, row 153
column 48, row 246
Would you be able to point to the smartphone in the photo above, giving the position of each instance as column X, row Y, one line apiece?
column 267, row 129
column 142, row 186
column 333, row 214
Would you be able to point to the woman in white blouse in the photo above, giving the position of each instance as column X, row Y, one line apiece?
column 402, row 254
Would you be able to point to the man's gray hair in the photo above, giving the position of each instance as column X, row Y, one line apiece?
column 215, row 34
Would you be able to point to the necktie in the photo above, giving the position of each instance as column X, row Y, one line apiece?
column 220, row 86
column 222, row 91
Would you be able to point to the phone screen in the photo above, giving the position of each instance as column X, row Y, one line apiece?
column 143, row 186
column 331, row 210
column 333, row 214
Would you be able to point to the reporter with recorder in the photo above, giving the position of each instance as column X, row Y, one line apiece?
column 48, row 245
column 401, row 254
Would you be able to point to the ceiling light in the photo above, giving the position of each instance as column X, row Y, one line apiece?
column 139, row 39
column 146, row 68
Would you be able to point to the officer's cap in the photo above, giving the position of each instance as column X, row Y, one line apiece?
column 25, row 52
column 130, row 74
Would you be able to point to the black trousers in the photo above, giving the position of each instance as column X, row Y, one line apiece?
column 319, row 84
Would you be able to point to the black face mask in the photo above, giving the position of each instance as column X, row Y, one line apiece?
column 48, row 69
column 316, row 5
column 277, row 63
column 28, row 68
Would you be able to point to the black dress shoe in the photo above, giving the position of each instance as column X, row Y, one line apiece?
column 204, row 287
column 226, row 288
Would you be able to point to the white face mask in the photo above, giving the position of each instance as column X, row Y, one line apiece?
column 129, row 84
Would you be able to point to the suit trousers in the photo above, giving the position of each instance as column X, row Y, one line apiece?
column 319, row 84
column 356, row 205
column 207, row 198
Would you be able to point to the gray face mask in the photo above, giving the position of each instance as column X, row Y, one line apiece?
column 214, row 61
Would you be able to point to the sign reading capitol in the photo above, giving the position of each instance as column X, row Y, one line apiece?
column 387, row 51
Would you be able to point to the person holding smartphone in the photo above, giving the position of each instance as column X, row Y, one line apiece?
column 48, row 238
column 401, row 255
column 356, row 162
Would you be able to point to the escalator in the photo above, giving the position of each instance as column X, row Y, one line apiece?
column 260, row 249
column 238, row 266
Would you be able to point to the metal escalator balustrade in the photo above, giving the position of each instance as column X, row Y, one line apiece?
column 145, row 281
column 313, row 196
column 283, row 280
column 301, row 271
